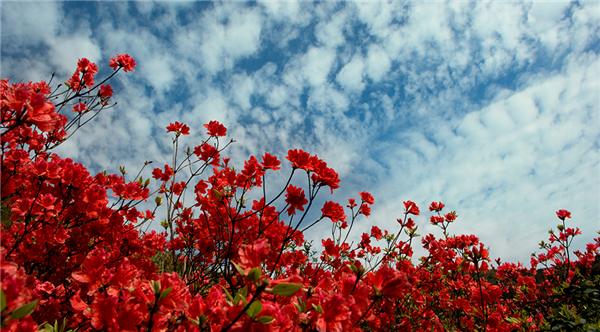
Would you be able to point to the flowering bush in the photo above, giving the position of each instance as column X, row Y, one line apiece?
column 230, row 260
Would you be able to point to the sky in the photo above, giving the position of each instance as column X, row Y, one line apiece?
column 491, row 108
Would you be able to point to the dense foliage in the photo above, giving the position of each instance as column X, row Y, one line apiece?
column 73, row 258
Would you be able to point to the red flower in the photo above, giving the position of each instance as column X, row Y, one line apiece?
column 270, row 162
column 215, row 129
column 365, row 209
column 177, row 127
column 158, row 174
column 124, row 61
column 450, row 217
column 336, row 314
column 562, row 214
column 389, row 283
column 333, row 211
column 105, row 91
column 376, row 232
column 252, row 255
column 207, row 151
column 330, row 248
column 295, row 198
column 299, row 159
column 437, row 207
column 411, row 208
column 434, row 220
column 84, row 65
column 367, row 198
column 351, row 203
column 74, row 82
column 79, row 108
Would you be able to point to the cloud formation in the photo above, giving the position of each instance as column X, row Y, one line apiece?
column 492, row 108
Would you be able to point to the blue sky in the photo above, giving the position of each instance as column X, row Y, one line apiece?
column 491, row 108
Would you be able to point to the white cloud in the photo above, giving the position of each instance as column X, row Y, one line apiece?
column 351, row 75
column 331, row 33
column 378, row 63
column 222, row 44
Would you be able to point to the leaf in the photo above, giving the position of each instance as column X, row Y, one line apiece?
column 155, row 286
column 165, row 293
column 254, row 274
column 239, row 269
column 265, row 319
column 241, row 295
column 254, row 309
column 237, row 299
column 244, row 291
column 353, row 268
column 229, row 297
column 47, row 328
column 23, row 311
column 2, row 300
column 193, row 321
column 318, row 308
column 285, row 289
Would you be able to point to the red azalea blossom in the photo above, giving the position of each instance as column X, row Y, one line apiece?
column 389, row 283
column 437, row 207
column 124, row 61
column 299, row 159
column 105, row 91
column 84, row 65
column 450, row 217
column 367, row 198
column 295, row 198
column 158, row 174
column 376, row 232
column 270, row 162
column 79, row 108
column 411, row 208
column 333, row 211
column 365, row 209
column 563, row 214
column 177, row 127
column 215, row 129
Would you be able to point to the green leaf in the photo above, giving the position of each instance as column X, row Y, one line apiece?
column 158, row 200
column 217, row 193
column 193, row 321
column 47, row 328
column 229, row 297
column 239, row 269
column 244, row 291
column 237, row 299
column 352, row 267
column 318, row 308
column 254, row 309
column 265, row 319
column 2, row 300
column 64, row 325
column 254, row 274
column 165, row 293
column 285, row 289
column 155, row 286
column 23, row 311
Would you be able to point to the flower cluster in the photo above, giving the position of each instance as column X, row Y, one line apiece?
column 233, row 257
